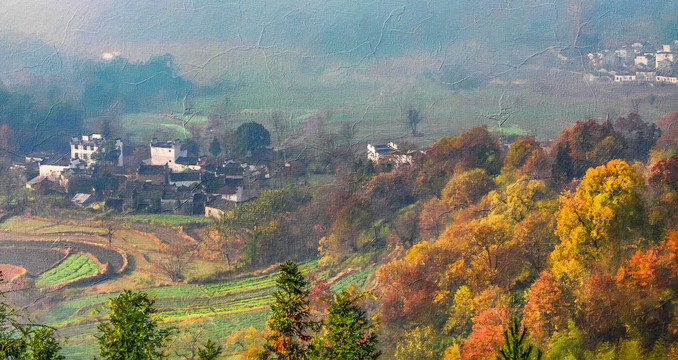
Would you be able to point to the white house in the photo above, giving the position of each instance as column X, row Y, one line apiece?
column 642, row 60
column 664, row 57
column 380, row 152
column 624, row 78
column 82, row 148
column 167, row 153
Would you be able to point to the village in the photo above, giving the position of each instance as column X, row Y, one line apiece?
column 639, row 62
column 160, row 177
column 168, row 181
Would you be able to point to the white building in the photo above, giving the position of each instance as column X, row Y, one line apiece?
column 664, row 57
column 381, row 152
column 82, row 148
column 167, row 153
column 624, row 78
column 642, row 60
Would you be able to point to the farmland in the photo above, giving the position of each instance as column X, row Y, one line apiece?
column 75, row 266
column 211, row 310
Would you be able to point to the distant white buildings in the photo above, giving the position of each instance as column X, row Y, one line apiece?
column 167, row 153
column 83, row 147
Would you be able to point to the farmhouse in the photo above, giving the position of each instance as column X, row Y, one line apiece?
column 167, row 153
column 82, row 148
column 218, row 207
column 381, row 152
column 624, row 78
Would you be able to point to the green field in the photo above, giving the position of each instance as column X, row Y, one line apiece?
column 217, row 309
column 74, row 267
column 165, row 219
column 379, row 103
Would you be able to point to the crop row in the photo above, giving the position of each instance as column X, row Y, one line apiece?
column 218, row 309
column 74, row 267
column 251, row 283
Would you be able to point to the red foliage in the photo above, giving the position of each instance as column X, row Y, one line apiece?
column 546, row 310
column 602, row 305
column 665, row 172
column 486, row 336
column 668, row 122
column 589, row 144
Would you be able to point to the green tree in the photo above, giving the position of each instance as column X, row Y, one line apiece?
column 517, row 346
column 43, row 346
column 251, row 137
column 210, row 351
column 20, row 339
column 348, row 333
column 108, row 152
column 289, row 322
column 215, row 147
column 131, row 331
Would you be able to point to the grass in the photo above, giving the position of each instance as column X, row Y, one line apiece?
column 36, row 226
column 166, row 219
column 75, row 266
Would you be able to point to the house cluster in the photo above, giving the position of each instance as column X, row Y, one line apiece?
column 389, row 153
column 635, row 63
column 167, row 181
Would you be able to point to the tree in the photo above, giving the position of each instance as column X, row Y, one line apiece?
column 210, row 351
column 665, row 172
column 486, row 337
column 289, row 322
column 606, row 210
column 131, row 331
column 348, row 333
column 20, row 339
column 108, row 152
column 413, row 120
column 215, row 147
column 516, row 345
column 43, row 346
column 251, row 137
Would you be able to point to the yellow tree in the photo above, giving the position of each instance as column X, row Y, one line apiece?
column 606, row 210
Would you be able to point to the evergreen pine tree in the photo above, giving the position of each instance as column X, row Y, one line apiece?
column 348, row 334
column 131, row 330
column 289, row 322
column 517, row 346
column 215, row 147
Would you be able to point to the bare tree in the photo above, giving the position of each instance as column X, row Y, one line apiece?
column 412, row 120
column 279, row 126
column 174, row 260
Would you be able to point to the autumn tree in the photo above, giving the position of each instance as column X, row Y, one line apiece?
column 587, row 144
column 486, row 337
column 519, row 152
column 131, row 329
column 606, row 210
column 475, row 148
column 665, row 172
column 467, row 188
column 290, row 327
column 640, row 136
column 547, row 308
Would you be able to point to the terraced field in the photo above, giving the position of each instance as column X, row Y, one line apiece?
column 217, row 309
column 75, row 266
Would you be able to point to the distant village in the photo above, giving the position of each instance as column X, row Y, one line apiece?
column 169, row 181
column 160, row 177
column 635, row 63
